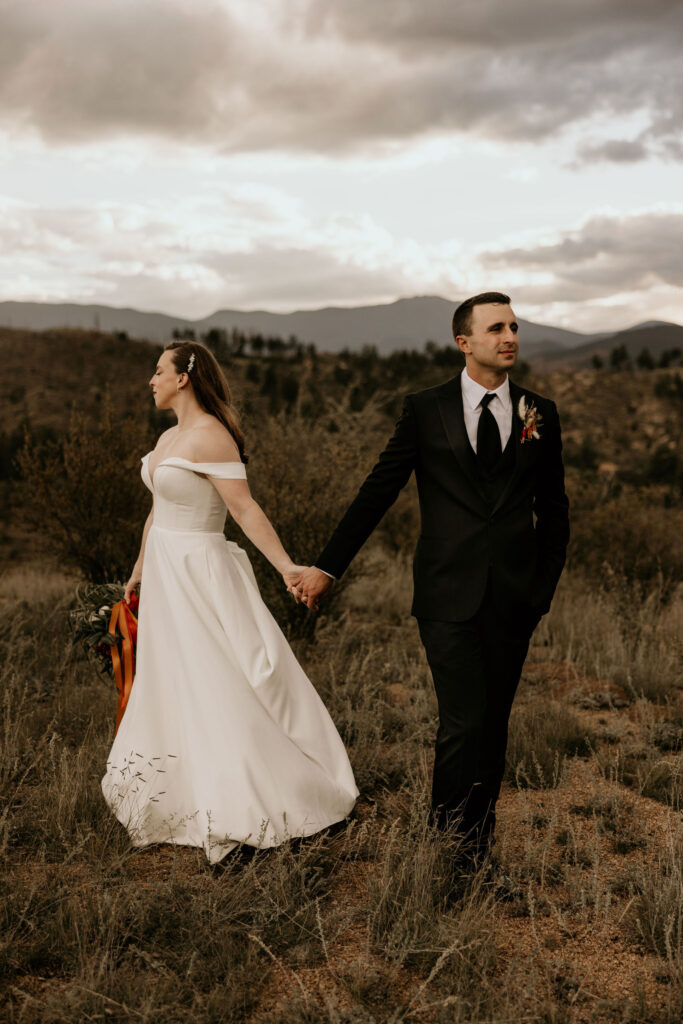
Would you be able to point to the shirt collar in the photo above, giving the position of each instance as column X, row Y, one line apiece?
column 472, row 392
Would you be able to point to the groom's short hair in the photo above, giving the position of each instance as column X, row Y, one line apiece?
column 462, row 318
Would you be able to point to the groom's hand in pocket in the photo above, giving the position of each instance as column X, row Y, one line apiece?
column 313, row 586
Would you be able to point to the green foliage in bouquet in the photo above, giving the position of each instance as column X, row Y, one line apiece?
column 89, row 622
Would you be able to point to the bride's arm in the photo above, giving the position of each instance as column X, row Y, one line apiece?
column 136, row 575
column 247, row 513
column 255, row 524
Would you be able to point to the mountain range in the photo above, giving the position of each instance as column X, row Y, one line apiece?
column 656, row 337
column 404, row 324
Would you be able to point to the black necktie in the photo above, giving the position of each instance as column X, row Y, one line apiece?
column 488, row 436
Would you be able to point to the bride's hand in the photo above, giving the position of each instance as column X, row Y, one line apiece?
column 132, row 583
column 291, row 576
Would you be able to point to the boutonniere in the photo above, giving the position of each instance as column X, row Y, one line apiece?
column 532, row 420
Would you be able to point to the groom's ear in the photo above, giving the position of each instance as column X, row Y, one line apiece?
column 463, row 343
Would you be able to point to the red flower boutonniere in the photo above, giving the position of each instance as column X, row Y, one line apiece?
column 532, row 420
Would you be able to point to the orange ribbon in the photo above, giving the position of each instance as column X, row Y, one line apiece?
column 123, row 661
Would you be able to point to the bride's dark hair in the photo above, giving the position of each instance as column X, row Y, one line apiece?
column 209, row 384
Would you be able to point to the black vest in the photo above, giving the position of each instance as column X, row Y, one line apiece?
column 493, row 484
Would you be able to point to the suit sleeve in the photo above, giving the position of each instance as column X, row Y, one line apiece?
column 551, row 506
column 377, row 493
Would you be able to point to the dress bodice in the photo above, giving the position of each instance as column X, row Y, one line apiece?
column 184, row 497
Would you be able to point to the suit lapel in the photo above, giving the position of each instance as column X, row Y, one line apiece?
column 522, row 451
column 453, row 418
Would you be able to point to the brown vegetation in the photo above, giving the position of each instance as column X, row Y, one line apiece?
column 361, row 924
column 354, row 925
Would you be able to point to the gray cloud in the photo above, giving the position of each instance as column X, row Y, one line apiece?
column 323, row 76
column 620, row 151
column 607, row 255
column 490, row 23
column 293, row 276
column 528, row 69
column 79, row 70
column 135, row 256
column 158, row 257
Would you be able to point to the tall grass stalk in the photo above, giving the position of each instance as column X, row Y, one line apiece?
column 626, row 636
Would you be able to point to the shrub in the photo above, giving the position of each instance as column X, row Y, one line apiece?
column 664, row 466
column 644, row 360
column 304, row 475
column 12, row 443
column 631, row 537
column 653, row 776
column 542, row 735
column 83, row 494
column 669, row 386
column 657, row 910
column 619, row 633
column 619, row 358
column 584, row 455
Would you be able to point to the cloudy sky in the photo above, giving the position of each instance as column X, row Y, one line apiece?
column 190, row 155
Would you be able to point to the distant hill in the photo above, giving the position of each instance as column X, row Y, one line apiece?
column 404, row 324
column 42, row 316
column 656, row 337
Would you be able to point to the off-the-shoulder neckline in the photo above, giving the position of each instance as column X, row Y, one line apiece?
column 179, row 458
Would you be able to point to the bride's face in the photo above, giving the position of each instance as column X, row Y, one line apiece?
column 164, row 382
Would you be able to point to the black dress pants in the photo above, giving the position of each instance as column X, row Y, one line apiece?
column 476, row 666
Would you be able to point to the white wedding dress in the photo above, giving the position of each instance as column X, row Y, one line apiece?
column 224, row 739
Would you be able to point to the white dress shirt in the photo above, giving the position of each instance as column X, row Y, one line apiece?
column 500, row 406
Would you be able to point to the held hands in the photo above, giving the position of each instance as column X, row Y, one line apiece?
column 291, row 575
column 308, row 585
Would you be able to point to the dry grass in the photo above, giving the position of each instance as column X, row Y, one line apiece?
column 621, row 636
column 362, row 924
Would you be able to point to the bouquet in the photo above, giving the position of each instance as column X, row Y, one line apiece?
column 107, row 628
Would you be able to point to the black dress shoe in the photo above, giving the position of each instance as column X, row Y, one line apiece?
column 468, row 874
column 505, row 888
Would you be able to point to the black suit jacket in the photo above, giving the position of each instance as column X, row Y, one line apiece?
column 466, row 540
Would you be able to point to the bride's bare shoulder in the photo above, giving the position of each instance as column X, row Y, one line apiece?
column 214, row 443
column 166, row 435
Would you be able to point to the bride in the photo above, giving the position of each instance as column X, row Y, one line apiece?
column 224, row 739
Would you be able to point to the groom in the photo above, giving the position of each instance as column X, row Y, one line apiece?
column 487, row 458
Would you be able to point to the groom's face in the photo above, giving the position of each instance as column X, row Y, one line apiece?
column 492, row 342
